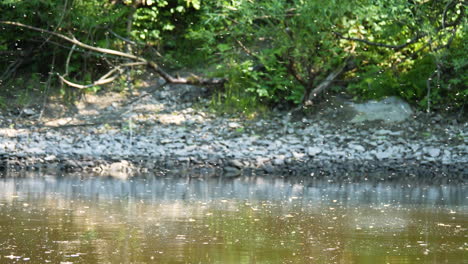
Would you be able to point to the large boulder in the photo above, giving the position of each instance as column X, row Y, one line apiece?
column 390, row 109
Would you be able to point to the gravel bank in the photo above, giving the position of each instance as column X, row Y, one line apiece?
column 175, row 135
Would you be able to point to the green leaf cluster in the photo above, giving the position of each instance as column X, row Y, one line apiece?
column 412, row 49
column 274, row 52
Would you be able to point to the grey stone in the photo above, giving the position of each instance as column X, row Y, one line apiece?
column 268, row 168
column 234, row 125
column 235, row 163
column 383, row 155
column 297, row 155
column 433, row 152
column 50, row 158
column 260, row 161
column 383, row 132
column 357, row 148
column 313, row 151
column 414, row 147
column 278, row 162
column 259, row 152
column 183, row 159
column 447, row 153
column 166, row 141
column 29, row 112
column 401, row 141
column 8, row 146
column 70, row 164
column 232, row 170
column 391, row 109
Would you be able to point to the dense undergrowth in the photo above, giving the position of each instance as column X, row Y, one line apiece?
column 273, row 52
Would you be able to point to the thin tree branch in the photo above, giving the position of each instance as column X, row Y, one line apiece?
column 119, row 68
column 105, row 79
column 419, row 35
column 245, row 49
column 325, row 84
column 67, row 63
column 449, row 41
column 194, row 80
column 455, row 22
column 11, row 69
column 58, row 24
column 444, row 14
column 47, row 87
column 131, row 42
column 396, row 47
column 74, row 41
column 293, row 72
column 96, row 83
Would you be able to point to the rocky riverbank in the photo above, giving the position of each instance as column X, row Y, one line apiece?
column 163, row 129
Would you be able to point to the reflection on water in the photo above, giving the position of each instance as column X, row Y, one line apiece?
column 245, row 220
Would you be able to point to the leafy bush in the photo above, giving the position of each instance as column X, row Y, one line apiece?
column 396, row 47
column 412, row 53
column 272, row 51
column 106, row 24
column 290, row 41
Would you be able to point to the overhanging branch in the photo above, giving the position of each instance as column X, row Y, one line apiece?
column 74, row 41
column 194, row 80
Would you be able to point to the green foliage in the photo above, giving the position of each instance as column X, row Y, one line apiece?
column 296, row 45
column 42, row 55
column 91, row 21
column 425, row 72
column 272, row 51
column 159, row 16
column 290, row 40
column 374, row 83
column 233, row 99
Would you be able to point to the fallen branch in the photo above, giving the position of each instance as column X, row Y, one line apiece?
column 96, row 83
column 194, row 80
column 119, row 68
column 105, row 79
column 326, row 83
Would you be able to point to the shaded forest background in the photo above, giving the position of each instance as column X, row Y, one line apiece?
column 270, row 52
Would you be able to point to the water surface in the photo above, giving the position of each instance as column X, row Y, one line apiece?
column 69, row 219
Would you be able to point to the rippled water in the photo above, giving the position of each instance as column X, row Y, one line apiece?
column 50, row 219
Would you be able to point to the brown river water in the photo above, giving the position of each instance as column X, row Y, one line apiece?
column 71, row 219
